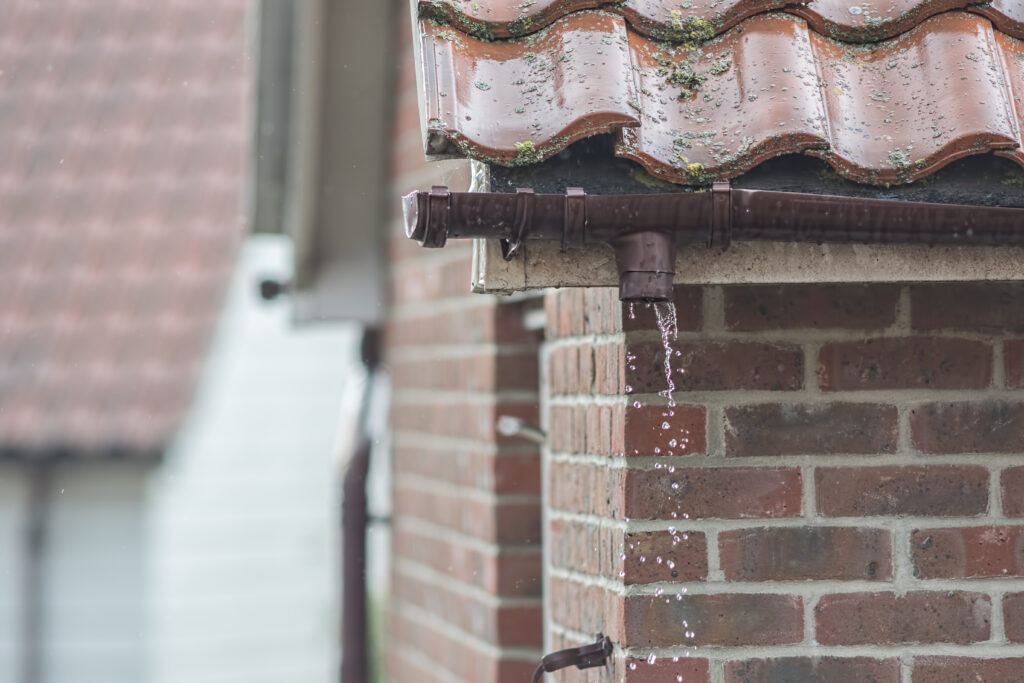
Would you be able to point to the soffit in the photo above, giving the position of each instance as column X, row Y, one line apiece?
column 938, row 84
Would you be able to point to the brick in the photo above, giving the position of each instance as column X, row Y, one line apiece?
column 666, row 670
column 584, row 488
column 512, row 574
column 1013, row 355
column 804, row 553
column 473, row 421
column 918, row 617
column 1013, row 491
column 586, row 608
column 968, row 427
column 647, row 433
column 1013, row 617
column 689, row 302
column 602, row 310
column 967, row 552
column 607, row 361
column 653, row 556
column 494, row 521
column 913, row 490
column 456, row 658
column 715, row 366
column 584, row 548
column 813, row 670
column 484, row 373
column 905, row 363
column 505, row 625
column 726, row 619
column 974, row 306
column 492, row 472
column 967, row 670
column 771, row 429
column 726, row 493
column 752, row 308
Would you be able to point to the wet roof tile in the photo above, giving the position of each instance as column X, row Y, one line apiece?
column 670, row 19
column 880, row 113
column 121, row 140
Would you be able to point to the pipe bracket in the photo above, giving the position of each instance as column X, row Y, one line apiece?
column 575, row 225
column 520, row 224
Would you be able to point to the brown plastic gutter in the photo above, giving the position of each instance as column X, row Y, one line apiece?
column 645, row 229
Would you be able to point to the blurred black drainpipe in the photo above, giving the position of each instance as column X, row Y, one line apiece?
column 40, row 480
column 355, row 518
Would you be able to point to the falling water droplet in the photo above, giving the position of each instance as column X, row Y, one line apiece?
column 669, row 328
column 632, row 666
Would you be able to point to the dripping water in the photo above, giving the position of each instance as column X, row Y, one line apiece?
column 668, row 326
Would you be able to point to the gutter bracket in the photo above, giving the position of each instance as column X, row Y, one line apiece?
column 720, row 232
column 522, row 221
column 574, row 228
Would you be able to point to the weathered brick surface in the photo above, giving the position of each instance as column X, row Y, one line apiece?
column 810, row 429
column 667, row 670
column 715, row 366
column 1013, row 491
column 470, row 467
column 770, row 333
column 511, row 573
column 979, row 307
column 727, row 619
column 992, row 426
column 946, row 490
column 511, row 625
column 729, row 493
column 454, row 658
column 586, row 608
column 905, row 363
column 499, row 521
column 585, row 548
column 813, row 670
column 584, row 488
column 461, row 419
column 888, row 619
column 666, row 430
column 1013, row 617
column 587, row 429
column 799, row 553
column 967, row 552
column 967, row 670
column 821, row 306
column 651, row 556
column 1013, row 357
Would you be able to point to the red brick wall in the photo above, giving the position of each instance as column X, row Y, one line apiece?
column 848, row 505
column 465, row 595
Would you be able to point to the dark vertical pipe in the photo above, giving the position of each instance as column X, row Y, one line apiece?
column 40, row 485
column 354, row 655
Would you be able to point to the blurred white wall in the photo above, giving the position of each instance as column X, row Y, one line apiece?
column 245, row 516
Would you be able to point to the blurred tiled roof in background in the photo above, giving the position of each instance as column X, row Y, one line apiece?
column 886, row 92
column 122, row 134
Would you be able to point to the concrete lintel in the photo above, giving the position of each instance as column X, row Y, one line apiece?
column 542, row 264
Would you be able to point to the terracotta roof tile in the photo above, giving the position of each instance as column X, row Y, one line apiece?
column 879, row 113
column 121, row 143
column 669, row 19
